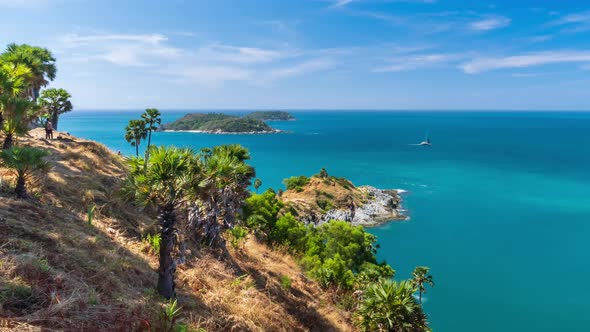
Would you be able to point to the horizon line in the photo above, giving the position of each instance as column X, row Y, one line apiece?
column 330, row 110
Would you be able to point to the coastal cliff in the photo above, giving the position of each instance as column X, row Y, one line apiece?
column 322, row 198
column 61, row 271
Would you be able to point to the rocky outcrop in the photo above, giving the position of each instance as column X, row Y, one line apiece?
column 381, row 206
column 325, row 199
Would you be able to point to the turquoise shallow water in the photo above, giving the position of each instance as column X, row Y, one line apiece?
column 499, row 205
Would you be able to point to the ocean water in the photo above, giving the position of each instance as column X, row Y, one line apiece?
column 499, row 206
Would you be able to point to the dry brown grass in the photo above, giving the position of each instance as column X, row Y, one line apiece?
column 58, row 272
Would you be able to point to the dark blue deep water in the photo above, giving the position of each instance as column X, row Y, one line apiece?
column 499, row 205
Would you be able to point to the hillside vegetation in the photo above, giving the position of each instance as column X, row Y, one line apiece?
column 60, row 271
column 271, row 115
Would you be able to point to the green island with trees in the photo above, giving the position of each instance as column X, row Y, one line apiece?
column 170, row 239
column 271, row 116
column 252, row 123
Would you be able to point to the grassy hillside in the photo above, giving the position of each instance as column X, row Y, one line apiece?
column 59, row 271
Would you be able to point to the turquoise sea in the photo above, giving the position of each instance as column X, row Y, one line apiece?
column 499, row 205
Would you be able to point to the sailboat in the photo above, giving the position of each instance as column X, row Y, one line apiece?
column 426, row 142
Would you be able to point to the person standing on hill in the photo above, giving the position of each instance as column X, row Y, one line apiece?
column 49, row 130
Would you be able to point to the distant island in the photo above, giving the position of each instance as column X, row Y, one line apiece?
column 271, row 116
column 219, row 123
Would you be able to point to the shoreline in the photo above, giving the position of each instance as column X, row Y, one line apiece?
column 219, row 132
column 385, row 216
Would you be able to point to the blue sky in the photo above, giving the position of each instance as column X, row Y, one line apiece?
column 312, row 54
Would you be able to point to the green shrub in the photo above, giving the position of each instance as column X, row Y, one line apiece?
column 324, row 204
column 296, row 182
column 261, row 211
column 17, row 295
column 336, row 253
column 42, row 265
column 290, row 232
column 238, row 234
column 90, row 213
column 286, row 282
column 388, row 305
column 154, row 241
column 169, row 318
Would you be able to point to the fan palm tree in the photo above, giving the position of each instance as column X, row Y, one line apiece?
column 13, row 81
column 152, row 119
column 161, row 182
column 388, row 305
column 17, row 115
column 420, row 278
column 220, row 191
column 55, row 102
column 134, row 133
column 23, row 162
column 39, row 60
column 257, row 184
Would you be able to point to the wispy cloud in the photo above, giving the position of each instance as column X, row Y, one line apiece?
column 341, row 3
column 211, row 64
column 299, row 69
column 344, row 3
column 575, row 22
column 120, row 49
column 239, row 54
column 418, row 61
column 479, row 65
column 490, row 23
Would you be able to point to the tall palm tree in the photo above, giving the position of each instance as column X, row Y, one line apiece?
column 17, row 115
column 55, row 102
column 220, row 191
column 162, row 184
column 257, row 184
column 23, row 162
column 134, row 133
column 39, row 60
column 389, row 305
column 152, row 119
column 420, row 278
column 13, row 81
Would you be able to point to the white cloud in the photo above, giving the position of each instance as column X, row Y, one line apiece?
column 490, row 23
column 527, row 60
column 240, row 55
column 576, row 22
column 300, row 69
column 582, row 17
column 341, row 3
column 211, row 63
column 417, row 61
column 120, row 49
column 75, row 39
column 211, row 75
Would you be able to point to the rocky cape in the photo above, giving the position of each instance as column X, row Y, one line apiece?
column 324, row 199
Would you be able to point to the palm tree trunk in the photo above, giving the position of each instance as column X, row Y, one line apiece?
column 147, row 150
column 420, row 295
column 136, row 149
column 21, row 189
column 54, row 119
column 167, row 220
column 8, row 140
